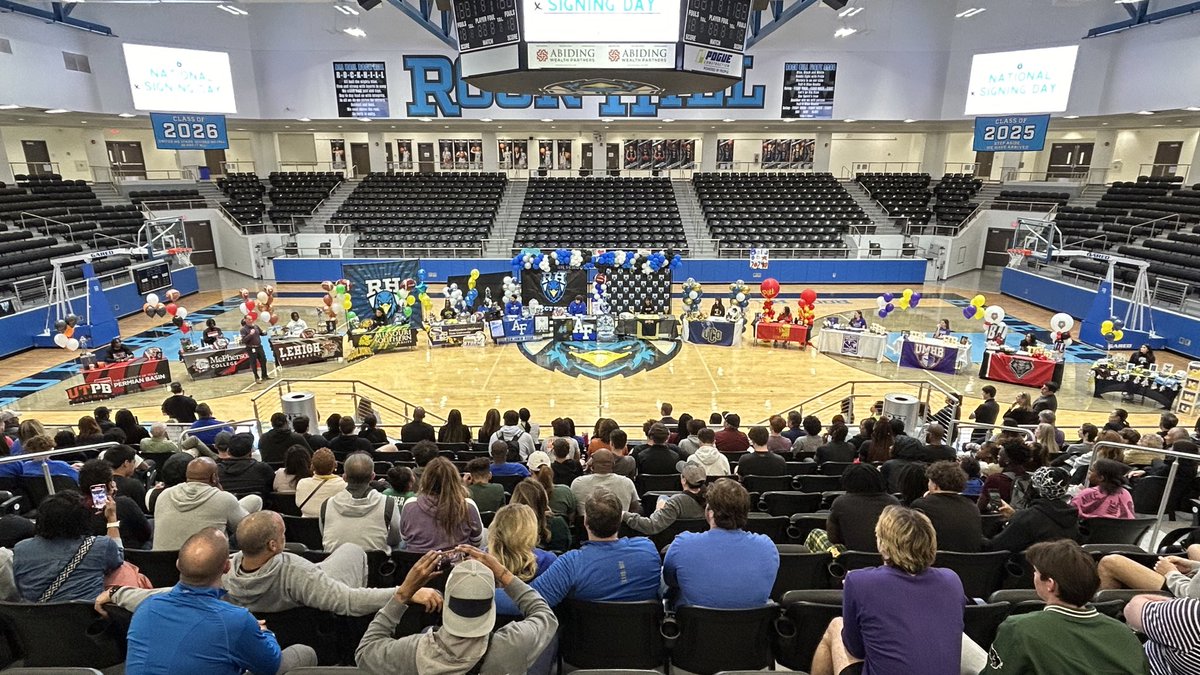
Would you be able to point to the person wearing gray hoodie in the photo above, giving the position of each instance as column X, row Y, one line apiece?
column 262, row 577
column 359, row 514
column 183, row 510
column 715, row 463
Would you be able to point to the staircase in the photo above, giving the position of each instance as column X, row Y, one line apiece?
column 988, row 193
column 325, row 211
column 211, row 193
column 1089, row 196
column 879, row 218
column 504, row 230
column 695, row 225
column 108, row 195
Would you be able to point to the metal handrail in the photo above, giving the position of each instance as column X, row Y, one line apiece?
column 43, row 456
column 920, row 384
column 29, row 168
column 1186, row 170
column 286, row 385
column 220, row 425
column 976, row 425
column 1162, row 504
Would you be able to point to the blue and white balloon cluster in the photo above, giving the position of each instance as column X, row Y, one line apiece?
column 692, row 292
column 739, row 300
column 644, row 260
column 599, row 291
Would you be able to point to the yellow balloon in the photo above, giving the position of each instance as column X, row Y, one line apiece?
column 1106, row 327
column 978, row 313
column 902, row 303
column 474, row 274
column 471, row 284
column 978, row 300
column 410, row 301
column 346, row 302
column 1118, row 336
column 907, row 293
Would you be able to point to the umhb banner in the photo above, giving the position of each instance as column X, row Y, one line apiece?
column 116, row 379
column 553, row 289
column 377, row 285
column 928, row 356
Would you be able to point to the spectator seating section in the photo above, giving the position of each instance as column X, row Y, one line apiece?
column 953, row 194
column 245, row 192
column 448, row 209
column 1030, row 200
column 298, row 194
column 169, row 199
column 600, row 212
column 902, row 195
column 782, row 210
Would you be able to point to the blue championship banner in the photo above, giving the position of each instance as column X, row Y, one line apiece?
column 189, row 132
column 376, row 285
column 1011, row 133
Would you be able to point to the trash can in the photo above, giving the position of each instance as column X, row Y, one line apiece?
column 903, row 407
column 297, row 403
column 205, row 173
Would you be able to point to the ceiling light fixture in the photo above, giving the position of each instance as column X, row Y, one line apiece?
column 85, row 122
column 57, row 111
column 668, row 119
column 850, row 11
column 126, row 115
column 606, row 120
column 1190, row 108
column 909, row 120
column 844, row 31
column 236, row 11
column 346, row 9
column 1144, row 112
column 485, row 119
column 364, row 119
column 355, row 31
column 425, row 119
column 9, row 106
column 728, row 119
column 547, row 120
column 849, row 119
column 303, row 119
column 1070, row 117
column 974, row 11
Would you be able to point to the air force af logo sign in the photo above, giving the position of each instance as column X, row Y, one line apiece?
column 554, row 286
column 600, row 361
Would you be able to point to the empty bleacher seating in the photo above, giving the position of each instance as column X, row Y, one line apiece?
column 1030, row 200
column 298, row 194
column 446, row 210
column 953, row 194
column 600, row 212
column 902, row 195
column 245, row 192
column 806, row 211
column 169, row 199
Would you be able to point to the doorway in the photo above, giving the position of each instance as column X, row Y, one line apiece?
column 199, row 235
column 587, row 153
column 997, row 243
column 360, row 157
column 1166, row 158
column 612, row 155
column 126, row 159
column 37, row 157
column 425, row 157
column 983, row 164
column 387, row 151
column 1068, row 160
column 215, row 161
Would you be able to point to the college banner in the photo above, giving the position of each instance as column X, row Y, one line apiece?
column 378, row 284
column 717, row 333
column 1014, row 369
column 117, row 379
column 210, row 363
column 781, row 332
column 553, row 289
column 384, row 339
column 490, row 287
column 928, row 356
column 443, row 334
column 312, row 349
column 519, row 329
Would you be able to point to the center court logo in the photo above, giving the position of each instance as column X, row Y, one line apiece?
column 600, row 361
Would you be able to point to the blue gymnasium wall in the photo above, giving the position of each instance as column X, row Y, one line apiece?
column 17, row 331
column 709, row 271
column 1182, row 332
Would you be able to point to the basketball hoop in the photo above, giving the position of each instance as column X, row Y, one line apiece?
column 1016, row 255
column 182, row 256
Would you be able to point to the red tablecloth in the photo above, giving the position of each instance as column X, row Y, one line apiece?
column 781, row 332
column 1016, row 369
column 115, row 379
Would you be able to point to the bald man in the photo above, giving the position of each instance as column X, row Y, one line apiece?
column 418, row 429
column 190, row 629
column 183, row 510
column 360, row 514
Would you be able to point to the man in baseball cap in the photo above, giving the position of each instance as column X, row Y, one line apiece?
column 468, row 616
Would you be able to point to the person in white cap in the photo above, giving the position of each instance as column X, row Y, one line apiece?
column 465, row 639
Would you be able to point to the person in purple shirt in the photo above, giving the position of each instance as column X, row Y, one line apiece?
column 500, row 464
column 696, row 559
column 606, row 568
column 904, row 618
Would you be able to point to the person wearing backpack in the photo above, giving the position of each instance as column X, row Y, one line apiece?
column 1012, row 458
column 519, row 442
column 359, row 514
column 1049, row 515
column 501, row 464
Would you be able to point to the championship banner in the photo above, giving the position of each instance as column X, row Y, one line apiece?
column 210, row 363
column 117, row 379
column 1020, row 370
column 377, row 284
column 384, row 339
column 553, row 289
column 456, row 334
column 490, row 287
column 928, row 356
column 519, row 329
column 716, row 333
column 302, row 350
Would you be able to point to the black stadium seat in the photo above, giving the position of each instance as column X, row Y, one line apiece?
column 600, row 212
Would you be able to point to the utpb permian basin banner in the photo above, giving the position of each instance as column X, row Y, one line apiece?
column 378, row 284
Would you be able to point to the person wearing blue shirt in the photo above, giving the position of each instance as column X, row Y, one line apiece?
column 192, row 629
column 512, row 308
column 500, row 464
column 605, row 569
column 577, row 307
column 696, row 561
column 204, row 418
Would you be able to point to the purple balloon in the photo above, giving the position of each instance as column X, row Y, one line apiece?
column 969, row 312
column 889, row 307
column 888, row 297
column 883, row 313
column 914, row 301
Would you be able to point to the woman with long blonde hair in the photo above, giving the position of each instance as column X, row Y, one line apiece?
column 512, row 538
column 553, row 532
column 1045, row 434
column 441, row 516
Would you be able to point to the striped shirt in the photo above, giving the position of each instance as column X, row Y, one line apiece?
column 1173, row 627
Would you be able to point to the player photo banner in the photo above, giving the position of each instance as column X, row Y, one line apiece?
column 489, row 285
column 553, row 289
column 378, row 284
column 300, row 351
column 788, row 153
column 118, row 379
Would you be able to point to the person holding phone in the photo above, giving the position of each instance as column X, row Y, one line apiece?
column 100, row 490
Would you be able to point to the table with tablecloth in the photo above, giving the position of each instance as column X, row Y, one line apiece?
column 300, row 350
column 1144, row 384
column 858, row 344
column 927, row 354
column 210, row 362
column 103, row 382
column 773, row 331
column 716, row 332
column 1019, row 369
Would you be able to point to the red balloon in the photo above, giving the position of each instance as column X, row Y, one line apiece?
column 809, row 296
column 250, row 305
column 274, row 319
column 328, row 299
column 253, row 316
column 769, row 288
column 172, row 308
column 185, row 327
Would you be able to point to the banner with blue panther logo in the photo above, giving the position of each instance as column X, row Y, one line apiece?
column 553, row 289
column 377, row 285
